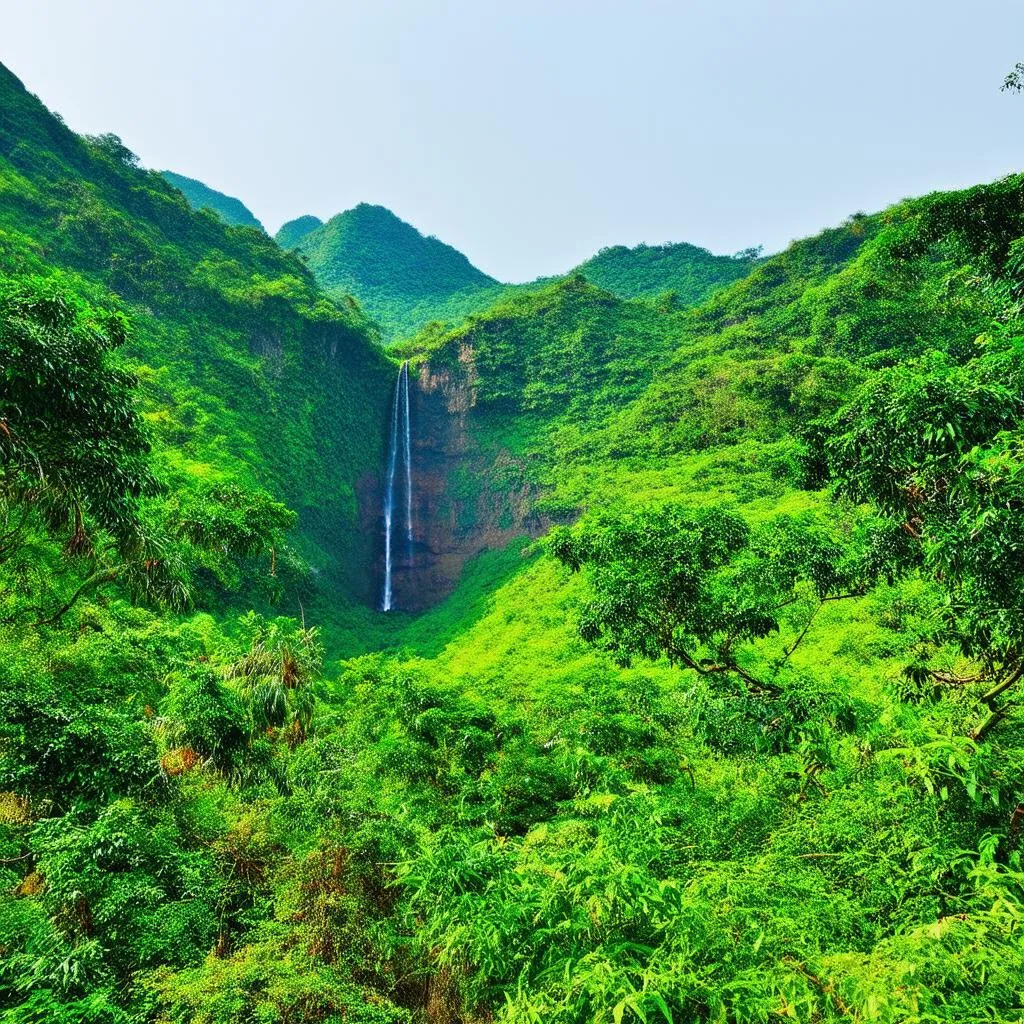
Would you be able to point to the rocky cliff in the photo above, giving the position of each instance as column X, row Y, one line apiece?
column 466, row 498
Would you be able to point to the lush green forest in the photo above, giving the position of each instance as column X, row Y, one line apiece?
column 687, row 271
column 231, row 210
column 733, row 735
column 406, row 282
column 401, row 278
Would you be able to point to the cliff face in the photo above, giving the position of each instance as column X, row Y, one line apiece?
column 465, row 500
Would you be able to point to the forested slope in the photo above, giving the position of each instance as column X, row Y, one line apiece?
column 688, row 271
column 172, row 391
column 248, row 373
column 201, row 197
column 805, row 806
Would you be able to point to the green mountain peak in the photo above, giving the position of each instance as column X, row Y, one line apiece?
column 391, row 267
column 291, row 233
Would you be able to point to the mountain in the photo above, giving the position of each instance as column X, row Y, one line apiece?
column 647, row 270
column 401, row 277
column 292, row 233
column 201, row 197
column 405, row 280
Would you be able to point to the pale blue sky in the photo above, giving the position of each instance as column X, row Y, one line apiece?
column 529, row 134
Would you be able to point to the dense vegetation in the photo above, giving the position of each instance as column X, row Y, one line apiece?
column 687, row 271
column 401, row 277
column 406, row 281
column 201, row 197
column 739, row 739
column 248, row 376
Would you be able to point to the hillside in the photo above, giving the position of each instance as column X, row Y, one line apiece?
column 687, row 270
column 742, row 811
column 230, row 210
column 395, row 272
column 490, row 389
column 249, row 374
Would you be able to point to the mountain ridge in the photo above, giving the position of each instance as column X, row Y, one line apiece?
column 201, row 196
column 349, row 253
column 404, row 278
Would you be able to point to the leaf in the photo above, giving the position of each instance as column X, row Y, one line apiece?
column 660, row 1003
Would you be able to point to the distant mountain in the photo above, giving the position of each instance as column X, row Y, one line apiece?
column 402, row 278
column 646, row 270
column 230, row 210
column 292, row 233
column 405, row 280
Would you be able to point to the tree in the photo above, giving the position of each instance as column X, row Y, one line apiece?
column 229, row 523
column 696, row 585
column 74, row 457
column 111, row 146
column 276, row 674
column 71, row 441
column 1014, row 81
column 938, row 448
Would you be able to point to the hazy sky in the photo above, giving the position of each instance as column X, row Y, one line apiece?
column 529, row 133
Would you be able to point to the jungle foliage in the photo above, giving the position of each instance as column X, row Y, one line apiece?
column 686, row 273
column 247, row 375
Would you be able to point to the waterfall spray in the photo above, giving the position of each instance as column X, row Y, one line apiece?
column 399, row 412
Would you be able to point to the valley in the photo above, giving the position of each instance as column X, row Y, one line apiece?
column 388, row 644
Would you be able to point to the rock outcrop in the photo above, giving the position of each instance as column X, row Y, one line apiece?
column 465, row 499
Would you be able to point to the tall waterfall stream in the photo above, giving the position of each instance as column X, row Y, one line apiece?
column 400, row 437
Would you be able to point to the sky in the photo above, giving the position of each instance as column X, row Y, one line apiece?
column 530, row 133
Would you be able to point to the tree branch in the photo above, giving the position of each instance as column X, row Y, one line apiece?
column 709, row 667
column 996, row 713
column 106, row 576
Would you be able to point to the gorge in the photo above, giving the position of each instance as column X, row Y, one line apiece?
column 444, row 493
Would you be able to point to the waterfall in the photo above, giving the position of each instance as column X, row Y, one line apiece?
column 407, row 452
column 399, row 422
column 389, row 499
